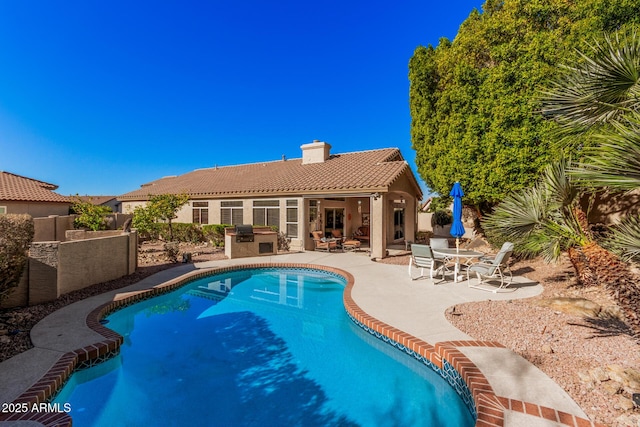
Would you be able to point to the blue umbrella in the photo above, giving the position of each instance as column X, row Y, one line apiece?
column 457, row 229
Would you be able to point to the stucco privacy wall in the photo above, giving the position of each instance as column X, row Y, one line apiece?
column 54, row 227
column 57, row 268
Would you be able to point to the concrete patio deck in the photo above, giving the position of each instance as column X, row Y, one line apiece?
column 519, row 394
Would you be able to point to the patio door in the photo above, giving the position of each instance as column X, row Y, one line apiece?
column 334, row 220
column 398, row 224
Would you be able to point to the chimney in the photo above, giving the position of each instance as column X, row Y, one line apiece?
column 315, row 152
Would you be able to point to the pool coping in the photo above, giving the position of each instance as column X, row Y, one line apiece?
column 490, row 409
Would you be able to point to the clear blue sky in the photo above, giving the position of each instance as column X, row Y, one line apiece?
column 99, row 97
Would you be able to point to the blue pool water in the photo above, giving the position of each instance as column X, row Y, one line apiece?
column 262, row 347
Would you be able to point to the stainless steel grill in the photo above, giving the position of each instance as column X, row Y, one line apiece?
column 244, row 233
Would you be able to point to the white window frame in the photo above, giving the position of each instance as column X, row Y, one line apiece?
column 234, row 209
column 198, row 208
column 291, row 220
column 266, row 212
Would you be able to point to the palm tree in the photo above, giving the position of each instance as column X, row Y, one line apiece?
column 598, row 98
column 545, row 220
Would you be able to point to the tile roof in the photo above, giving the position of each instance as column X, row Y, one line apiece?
column 94, row 200
column 19, row 188
column 357, row 172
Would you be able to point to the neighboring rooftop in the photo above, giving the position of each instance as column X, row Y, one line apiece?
column 19, row 188
column 320, row 172
column 94, row 200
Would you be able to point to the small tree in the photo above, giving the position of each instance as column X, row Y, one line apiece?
column 162, row 207
column 166, row 206
column 16, row 233
column 144, row 220
column 90, row 216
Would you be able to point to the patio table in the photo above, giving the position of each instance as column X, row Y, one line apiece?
column 457, row 254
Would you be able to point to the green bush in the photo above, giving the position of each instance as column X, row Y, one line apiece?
column 144, row 221
column 442, row 217
column 214, row 233
column 90, row 216
column 183, row 232
column 16, row 233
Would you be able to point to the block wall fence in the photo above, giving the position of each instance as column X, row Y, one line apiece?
column 56, row 268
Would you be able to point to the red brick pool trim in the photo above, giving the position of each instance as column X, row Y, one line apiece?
column 489, row 407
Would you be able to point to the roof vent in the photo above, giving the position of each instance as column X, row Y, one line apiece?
column 315, row 152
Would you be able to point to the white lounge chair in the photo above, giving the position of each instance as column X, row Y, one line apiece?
column 492, row 270
column 422, row 257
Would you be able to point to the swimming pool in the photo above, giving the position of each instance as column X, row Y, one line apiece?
column 256, row 347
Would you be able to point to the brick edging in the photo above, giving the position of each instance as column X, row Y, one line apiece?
column 489, row 407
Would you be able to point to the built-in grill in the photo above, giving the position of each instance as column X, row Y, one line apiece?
column 244, row 233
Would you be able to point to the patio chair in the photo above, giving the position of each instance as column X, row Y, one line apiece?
column 493, row 270
column 422, row 257
column 362, row 234
column 440, row 243
column 506, row 246
column 337, row 234
column 322, row 243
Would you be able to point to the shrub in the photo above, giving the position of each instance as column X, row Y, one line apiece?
column 93, row 217
column 172, row 250
column 183, row 232
column 214, row 233
column 16, row 233
column 283, row 242
column 442, row 217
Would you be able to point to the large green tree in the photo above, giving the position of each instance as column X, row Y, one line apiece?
column 475, row 113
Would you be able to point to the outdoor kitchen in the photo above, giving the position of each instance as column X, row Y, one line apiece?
column 245, row 240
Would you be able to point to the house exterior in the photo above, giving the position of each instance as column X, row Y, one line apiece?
column 22, row 195
column 373, row 191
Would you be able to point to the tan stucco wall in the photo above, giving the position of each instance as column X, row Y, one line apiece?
column 87, row 262
column 378, row 227
column 611, row 208
column 54, row 228
column 57, row 268
column 36, row 209
column 249, row 249
column 51, row 228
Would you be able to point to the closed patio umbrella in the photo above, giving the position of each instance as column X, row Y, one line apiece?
column 457, row 229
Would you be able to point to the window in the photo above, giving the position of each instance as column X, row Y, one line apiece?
column 231, row 213
column 334, row 218
column 266, row 212
column 200, row 212
column 3, row 210
column 292, row 218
